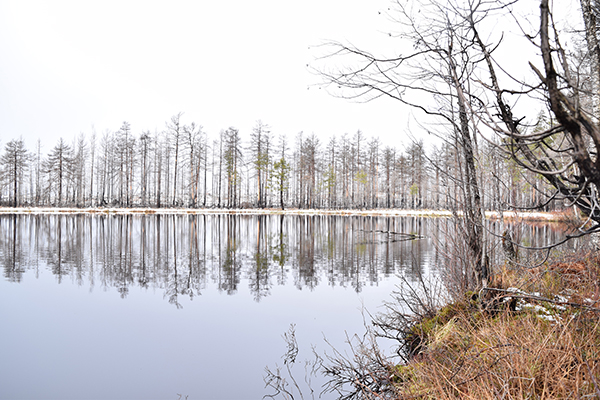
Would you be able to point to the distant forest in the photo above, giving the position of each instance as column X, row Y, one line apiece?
column 181, row 166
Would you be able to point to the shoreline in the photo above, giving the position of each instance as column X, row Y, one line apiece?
column 393, row 212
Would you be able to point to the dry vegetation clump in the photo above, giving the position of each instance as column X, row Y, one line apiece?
column 534, row 334
column 575, row 277
column 531, row 334
column 512, row 355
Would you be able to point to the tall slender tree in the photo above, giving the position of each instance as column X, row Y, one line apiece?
column 58, row 166
column 15, row 162
column 281, row 172
column 175, row 131
column 232, row 156
column 259, row 147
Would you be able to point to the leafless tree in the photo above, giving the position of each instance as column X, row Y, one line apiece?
column 14, row 162
column 434, row 77
column 79, row 177
column 260, row 141
column 92, row 166
column 232, row 156
column 565, row 154
column 145, row 146
column 193, row 135
column 58, row 166
column 280, row 175
column 175, row 131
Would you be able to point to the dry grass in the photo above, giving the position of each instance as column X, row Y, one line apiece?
column 519, row 346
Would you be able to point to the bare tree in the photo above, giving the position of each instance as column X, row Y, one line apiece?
column 281, row 172
column 389, row 158
column 38, row 173
column 591, row 14
column 92, row 165
column 565, row 153
column 193, row 140
column 233, row 166
column 175, row 131
column 79, row 171
column 433, row 78
column 309, row 168
column 259, row 147
column 145, row 144
column 373, row 158
column 58, row 165
column 14, row 160
column 330, row 173
column 159, row 160
column 125, row 144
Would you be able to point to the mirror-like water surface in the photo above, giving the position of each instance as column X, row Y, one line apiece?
column 154, row 306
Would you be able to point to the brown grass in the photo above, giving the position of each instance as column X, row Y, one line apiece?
column 540, row 350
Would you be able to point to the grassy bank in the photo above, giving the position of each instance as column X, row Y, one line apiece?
column 535, row 334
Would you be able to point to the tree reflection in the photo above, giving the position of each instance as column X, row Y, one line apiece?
column 231, row 264
column 194, row 280
column 143, row 274
column 12, row 257
column 182, row 255
column 55, row 250
column 173, row 289
column 124, row 265
column 259, row 281
column 279, row 251
column 304, row 256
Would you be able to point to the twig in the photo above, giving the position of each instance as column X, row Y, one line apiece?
column 592, row 377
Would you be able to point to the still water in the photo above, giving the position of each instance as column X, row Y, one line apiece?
column 163, row 307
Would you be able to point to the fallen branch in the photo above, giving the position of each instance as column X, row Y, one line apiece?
column 407, row 236
column 517, row 295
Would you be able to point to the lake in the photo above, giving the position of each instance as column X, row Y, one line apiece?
column 169, row 306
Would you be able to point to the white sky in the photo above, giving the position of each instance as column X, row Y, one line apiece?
column 66, row 66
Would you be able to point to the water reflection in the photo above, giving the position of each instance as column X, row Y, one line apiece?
column 183, row 255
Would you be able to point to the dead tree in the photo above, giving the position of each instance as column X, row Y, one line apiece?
column 434, row 77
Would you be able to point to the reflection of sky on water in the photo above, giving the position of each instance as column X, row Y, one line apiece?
column 141, row 307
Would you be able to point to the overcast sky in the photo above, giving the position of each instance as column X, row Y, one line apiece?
column 68, row 66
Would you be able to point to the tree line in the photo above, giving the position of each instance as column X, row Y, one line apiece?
column 182, row 166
